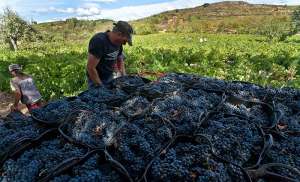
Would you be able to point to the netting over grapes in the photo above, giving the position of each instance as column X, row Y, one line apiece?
column 179, row 128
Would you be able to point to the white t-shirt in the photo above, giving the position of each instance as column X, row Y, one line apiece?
column 26, row 86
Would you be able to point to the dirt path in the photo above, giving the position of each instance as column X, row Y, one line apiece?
column 6, row 100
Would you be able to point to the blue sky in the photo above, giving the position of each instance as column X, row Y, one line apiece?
column 51, row 10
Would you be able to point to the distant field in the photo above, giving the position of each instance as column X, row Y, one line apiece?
column 59, row 67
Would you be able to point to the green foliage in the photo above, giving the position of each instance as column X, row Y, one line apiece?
column 59, row 68
column 57, row 71
column 296, row 18
column 145, row 29
column 246, row 58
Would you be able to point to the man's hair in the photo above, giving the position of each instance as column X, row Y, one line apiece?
column 115, row 29
column 125, row 28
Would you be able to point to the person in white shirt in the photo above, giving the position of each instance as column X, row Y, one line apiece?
column 24, row 89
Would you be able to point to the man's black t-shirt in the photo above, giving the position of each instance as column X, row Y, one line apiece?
column 102, row 48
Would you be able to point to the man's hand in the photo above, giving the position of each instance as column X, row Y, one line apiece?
column 97, row 84
column 14, row 108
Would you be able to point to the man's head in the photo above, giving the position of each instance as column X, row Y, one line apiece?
column 124, row 32
column 14, row 69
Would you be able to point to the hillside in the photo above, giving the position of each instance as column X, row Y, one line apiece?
column 222, row 17
column 227, row 16
column 71, row 29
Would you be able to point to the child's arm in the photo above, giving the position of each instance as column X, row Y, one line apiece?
column 18, row 95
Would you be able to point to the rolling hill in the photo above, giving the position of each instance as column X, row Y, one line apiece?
column 221, row 17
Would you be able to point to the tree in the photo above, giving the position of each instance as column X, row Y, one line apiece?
column 296, row 18
column 72, row 22
column 205, row 5
column 13, row 28
column 277, row 28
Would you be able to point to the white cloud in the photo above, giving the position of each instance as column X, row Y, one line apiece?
column 92, row 11
column 25, row 8
column 84, row 11
column 102, row 1
column 47, row 10
column 136, row 12
column 90, row 5
column 11, row 3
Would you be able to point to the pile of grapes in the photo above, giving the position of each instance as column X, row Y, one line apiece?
column 181, row 127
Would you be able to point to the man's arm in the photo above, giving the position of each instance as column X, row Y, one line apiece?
column 121, row 65
column 122, row 68
column 91, row 68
